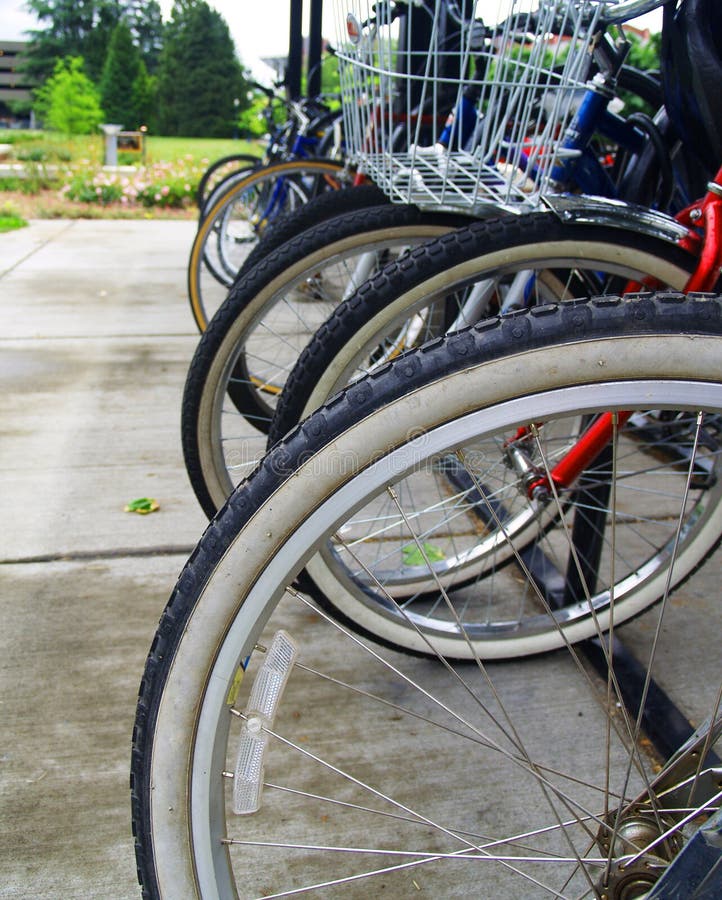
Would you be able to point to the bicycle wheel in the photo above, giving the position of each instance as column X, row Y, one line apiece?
column 483, row 269
column 236, row 219
column 405, row 774
column 232, row 237
column 241, row 362
column 326, row 206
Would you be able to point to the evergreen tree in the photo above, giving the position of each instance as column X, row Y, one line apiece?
column 97, row 42
column 122, row 66
column 70, row 28
column 199, row 75
column 143, row 97
column 146, row 25
column 68, row 101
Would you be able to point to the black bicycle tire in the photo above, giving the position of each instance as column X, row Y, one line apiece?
column 647, row 85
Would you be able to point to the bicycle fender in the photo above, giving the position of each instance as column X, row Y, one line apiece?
column 587, row 210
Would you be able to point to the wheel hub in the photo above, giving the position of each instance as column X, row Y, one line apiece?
column 631, row 880
column 631, row 875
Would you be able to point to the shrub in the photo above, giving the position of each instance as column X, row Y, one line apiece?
column 68, row 101
column 34, row 178
column 43, row 153
column 10, row 183
column 96, row 189
column 21, row 136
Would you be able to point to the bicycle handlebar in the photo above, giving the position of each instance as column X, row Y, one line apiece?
column 269, row 92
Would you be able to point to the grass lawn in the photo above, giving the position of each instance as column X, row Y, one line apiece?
column 11, row 222
column 34, row 145
column 169, row 149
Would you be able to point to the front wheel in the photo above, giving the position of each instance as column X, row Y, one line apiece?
column 276, row 752
column 482, row 269
column 216, row 174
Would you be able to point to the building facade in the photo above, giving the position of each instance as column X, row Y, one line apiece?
column 14, row 87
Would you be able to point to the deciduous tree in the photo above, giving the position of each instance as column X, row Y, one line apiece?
column 68, row 101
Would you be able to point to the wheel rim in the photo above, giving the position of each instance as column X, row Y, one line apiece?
column 367, row 565
column 266, row 342
column 243, row 223
column 240, row 640
column 208, row 275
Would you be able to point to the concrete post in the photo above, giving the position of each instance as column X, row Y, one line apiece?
column 111, row 133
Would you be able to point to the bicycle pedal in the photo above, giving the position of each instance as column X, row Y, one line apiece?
column 258, row 717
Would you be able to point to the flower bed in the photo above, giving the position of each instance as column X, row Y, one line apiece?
column 47, row 176
column 167, row 185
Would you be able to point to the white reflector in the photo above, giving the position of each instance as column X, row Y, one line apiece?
column 263, row 703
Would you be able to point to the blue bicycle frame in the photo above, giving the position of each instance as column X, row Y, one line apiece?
column 302, row 148
column 579, row 167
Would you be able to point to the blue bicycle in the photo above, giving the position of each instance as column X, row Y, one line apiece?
column 306, row 132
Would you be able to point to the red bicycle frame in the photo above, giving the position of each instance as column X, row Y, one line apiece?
column 704, row 219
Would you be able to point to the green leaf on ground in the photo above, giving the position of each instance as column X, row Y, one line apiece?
column 142, row 506
column 413, row 556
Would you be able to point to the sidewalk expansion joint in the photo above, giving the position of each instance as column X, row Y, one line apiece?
column 39, row 247
column 96, row 555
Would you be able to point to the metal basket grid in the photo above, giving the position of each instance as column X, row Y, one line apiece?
column 403, row 81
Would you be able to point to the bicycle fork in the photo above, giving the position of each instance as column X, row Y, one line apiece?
column 707, row 215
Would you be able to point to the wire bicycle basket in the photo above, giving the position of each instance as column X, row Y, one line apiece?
column 445, row 108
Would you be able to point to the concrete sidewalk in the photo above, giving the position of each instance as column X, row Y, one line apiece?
column 96, row 340
column 97, row 337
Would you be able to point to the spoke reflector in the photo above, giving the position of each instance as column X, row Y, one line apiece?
column 263, row 704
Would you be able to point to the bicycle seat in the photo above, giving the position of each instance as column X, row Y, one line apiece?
column 692, row 76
